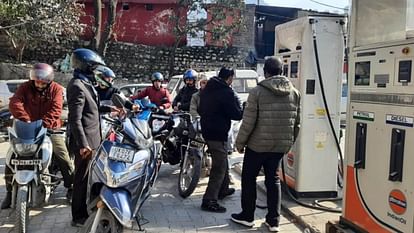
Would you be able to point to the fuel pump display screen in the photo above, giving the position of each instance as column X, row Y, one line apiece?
column 404, row 71
column 362, row 73
column 294, row 69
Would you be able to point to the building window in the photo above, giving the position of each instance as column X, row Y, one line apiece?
column 149, row 7
column 125, row 6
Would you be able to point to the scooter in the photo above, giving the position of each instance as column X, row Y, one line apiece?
column 121, row 174
column 29, row 157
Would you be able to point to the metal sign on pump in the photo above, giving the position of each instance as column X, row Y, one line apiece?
column 379, row 179
column 312, row 50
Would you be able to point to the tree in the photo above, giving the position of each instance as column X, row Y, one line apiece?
column 33, row 21
column 101, row 39
column 216, row 24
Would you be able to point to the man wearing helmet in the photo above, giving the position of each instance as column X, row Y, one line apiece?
column 183, row 99
column 83, row 125
column 41, row 98
column 105, row 79
column 156, row 93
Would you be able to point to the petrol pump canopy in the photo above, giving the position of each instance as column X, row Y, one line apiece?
column 383, row 21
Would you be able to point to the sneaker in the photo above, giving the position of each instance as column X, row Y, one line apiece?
column 212, row 206
column 272, row 227
column 229, row 192
column 7, row 201
column 240, row 219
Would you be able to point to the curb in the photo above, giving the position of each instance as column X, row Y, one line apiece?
column 308, row 228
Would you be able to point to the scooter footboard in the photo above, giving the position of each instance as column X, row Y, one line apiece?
column 118, row 202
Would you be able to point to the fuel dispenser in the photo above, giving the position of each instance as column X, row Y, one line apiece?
column 379, row 177
column 312, row 50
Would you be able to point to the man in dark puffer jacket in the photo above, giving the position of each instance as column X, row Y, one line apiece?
column 218, row 106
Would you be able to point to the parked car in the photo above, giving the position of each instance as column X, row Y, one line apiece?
column 133, row 89
column 245, row 80
column 7, row 89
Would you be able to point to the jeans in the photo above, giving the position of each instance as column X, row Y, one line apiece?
column 219, row 180
column 252, row 163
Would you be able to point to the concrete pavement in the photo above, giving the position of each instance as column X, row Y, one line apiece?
column 165, row 210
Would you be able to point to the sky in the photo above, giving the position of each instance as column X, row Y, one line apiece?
column 305, row 4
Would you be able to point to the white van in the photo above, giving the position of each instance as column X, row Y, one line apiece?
column 245, row 80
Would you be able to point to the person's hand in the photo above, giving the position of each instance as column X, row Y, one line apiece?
column 85, row 152
column 240, row 149
column 176, row 108
column 115, row 109
column 135, row 108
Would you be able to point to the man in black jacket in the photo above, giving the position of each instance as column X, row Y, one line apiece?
column 218, row 106
column 105, row 78
column 84, row 128
column 183, row 99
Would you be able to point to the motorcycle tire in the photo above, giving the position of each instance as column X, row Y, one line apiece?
column 187, row 181
column 107, row 223
column 22, row 209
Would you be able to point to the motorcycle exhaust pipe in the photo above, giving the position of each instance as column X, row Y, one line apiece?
column 100, row 205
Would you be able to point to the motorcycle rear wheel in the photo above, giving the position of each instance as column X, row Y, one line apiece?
column 22, row 210
column 107, row 223
column 189, row 176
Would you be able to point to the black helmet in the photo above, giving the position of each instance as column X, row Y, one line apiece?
column 85, row 60
column 157, row 76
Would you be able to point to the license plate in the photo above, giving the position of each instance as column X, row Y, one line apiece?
column 121, row 154
column 197, row 144
column 26, row 162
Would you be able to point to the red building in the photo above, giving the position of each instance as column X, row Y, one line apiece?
column 137, row 21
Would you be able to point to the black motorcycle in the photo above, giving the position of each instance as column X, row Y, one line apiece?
column 185, row 145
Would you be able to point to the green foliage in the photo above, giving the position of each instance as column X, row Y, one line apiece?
column 32, row 21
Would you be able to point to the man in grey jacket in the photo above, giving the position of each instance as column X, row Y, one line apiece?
column 271, row 123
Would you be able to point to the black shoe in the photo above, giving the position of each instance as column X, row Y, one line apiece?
column 213, row 206
column 229, row 192
column 240, row 219
column 78, row 222
column 7, row 201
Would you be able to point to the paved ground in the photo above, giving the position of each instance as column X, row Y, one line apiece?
column 165, row 210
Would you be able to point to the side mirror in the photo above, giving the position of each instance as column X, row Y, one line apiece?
column 118, row 100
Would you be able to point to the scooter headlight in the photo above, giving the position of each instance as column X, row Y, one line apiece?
column 25, row 149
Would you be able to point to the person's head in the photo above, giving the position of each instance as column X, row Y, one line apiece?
column 86, row 60
column 190, row 77
column 104, row 76
column 157, row 78
column 41, row 75
column 273, row 66
column 227, row 75
column 203, row 81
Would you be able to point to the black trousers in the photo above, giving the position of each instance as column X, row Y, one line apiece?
column 219, row 179
column 252, row 163
column 80, row 185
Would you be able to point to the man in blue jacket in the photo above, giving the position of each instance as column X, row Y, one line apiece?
column 218, row 106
